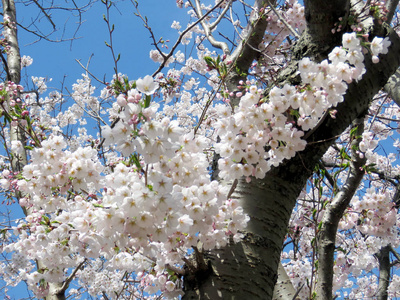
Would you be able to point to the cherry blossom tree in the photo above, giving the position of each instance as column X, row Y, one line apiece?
column 260, row 164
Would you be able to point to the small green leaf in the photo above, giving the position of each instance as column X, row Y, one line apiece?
column 147, row 101
column 134, row 159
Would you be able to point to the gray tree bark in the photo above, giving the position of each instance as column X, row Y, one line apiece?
column 13, row 70
column 248, row 270
column 19, row 160
column 384, row 272
column 333, row 213
column 284, row 289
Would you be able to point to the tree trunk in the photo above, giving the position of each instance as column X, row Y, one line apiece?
column 13, row 70
column 284, row 289
column 334, row 211
column 384, row 272
column 248, row 270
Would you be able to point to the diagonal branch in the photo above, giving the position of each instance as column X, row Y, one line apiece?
column 246, row 51
column 208, row 28
column 295, row 34
column 166, row 57
column 330, row 221
column 391, row 6
column 46, row 14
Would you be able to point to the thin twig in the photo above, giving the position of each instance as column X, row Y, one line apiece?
column 71, row 277
column 233, row 187
column 181, row 37
column 46, row 14
column 87, row 71
column 283, row 20
column 217, row 44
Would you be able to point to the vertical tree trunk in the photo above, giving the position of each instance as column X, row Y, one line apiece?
column 384, row 272
column 13, row 69
column 334, row 211
column 284, row 289
column 248, row 270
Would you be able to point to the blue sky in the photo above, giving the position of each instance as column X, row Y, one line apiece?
column 131, row 39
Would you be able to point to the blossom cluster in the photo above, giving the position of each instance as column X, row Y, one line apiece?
column 374, row 214
column 262, row 133
column 146, row 213
column 159, row 215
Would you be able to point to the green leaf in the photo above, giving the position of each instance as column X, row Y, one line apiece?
column 319, row 226
column 209, row 61
column 46, row 219
column 147, row 101
column 134, row 159
column 343, row 154
column 64, row 242
column 353, row 131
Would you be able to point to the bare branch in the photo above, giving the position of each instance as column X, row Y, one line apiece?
column 71, row 277
column 208, row 28
column 391, row 6
column 394, row 252
column 222, row 14
column 334, row 212
column 181, row 37
column 46, row 14
column 384, row 272
column 295, row 34
column 246, row 52
column 88, row 72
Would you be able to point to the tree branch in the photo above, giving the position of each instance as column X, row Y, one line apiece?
column 384, row 272
column 181, row 37
column 284, row 289
column 246, row 51
column 334, row 211
column 295, row 34
column 391, row 6
column 71, row 277
column 46, row 14
column 208, row 28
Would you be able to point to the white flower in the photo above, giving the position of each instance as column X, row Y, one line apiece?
column 350, row 41
column 147, row 85
column 26, row 61
column 176, row 25
column 170, row 286
column 17, row 147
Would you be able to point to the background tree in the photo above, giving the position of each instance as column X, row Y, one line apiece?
column 131, row 210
